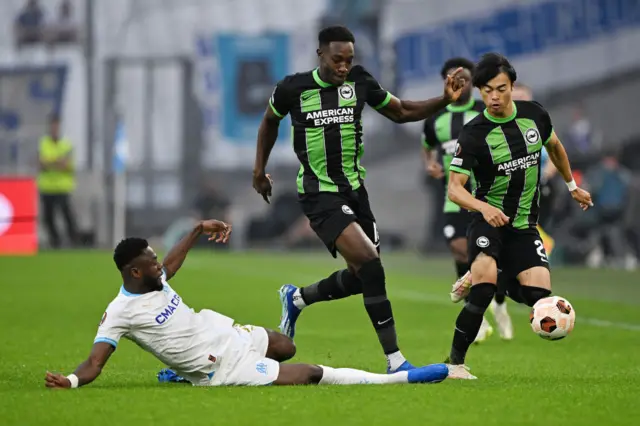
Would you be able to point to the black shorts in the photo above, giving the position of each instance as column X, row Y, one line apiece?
column 331, row 212
column 456, row 225
column 515, row 250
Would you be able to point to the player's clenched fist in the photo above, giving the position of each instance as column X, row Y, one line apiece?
column 494, row 217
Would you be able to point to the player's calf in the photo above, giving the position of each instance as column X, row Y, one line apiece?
column 305, row 374
column 470, row 319
column 281, row 348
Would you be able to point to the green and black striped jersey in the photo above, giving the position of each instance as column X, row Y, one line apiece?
column 441, row 132
column 505, row 156
column 327, row 126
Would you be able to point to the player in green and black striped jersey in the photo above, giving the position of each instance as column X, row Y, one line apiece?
column 325, row 105
column 439, row 139
column 502, row 147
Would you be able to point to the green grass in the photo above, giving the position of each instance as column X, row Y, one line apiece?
column 52, row 303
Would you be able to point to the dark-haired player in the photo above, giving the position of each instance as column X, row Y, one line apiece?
column 502, row 147
column 204, row 348
column 439, row 139
column 326, row 106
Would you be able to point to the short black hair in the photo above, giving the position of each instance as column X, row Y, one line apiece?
column 127, row 250
column 455, row 63
column 489, row 66
column 335, row 33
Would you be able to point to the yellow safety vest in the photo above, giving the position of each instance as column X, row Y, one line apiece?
column 54, row 181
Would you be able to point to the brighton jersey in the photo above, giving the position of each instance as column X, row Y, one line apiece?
column 441, row 132
column 327, row 126
column 505, row 156
column 161, row 323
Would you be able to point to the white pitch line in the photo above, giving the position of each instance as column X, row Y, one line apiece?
column 408, row 295
column 429, row 298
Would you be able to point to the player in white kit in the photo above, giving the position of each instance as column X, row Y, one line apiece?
column 206, row 348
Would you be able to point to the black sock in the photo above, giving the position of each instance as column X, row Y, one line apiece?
column 461, row 268
column 338, row 285
column 469, row 320
column 501, row 288
column 530, row 295
column 378, row 306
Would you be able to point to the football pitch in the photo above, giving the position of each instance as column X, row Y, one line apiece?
column 52, row 304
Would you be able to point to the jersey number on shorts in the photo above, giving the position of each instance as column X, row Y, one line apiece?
column 540, row 251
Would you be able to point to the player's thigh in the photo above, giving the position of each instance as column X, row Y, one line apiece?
column 355, row 246
column 526, row 259
column 538, row 276
column 329, row 214
column 251, row 369
column 484, row 248
column 365, row 215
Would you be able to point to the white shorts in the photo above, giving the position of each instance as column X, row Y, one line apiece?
column 246, row 364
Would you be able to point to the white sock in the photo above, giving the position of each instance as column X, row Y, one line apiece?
column 298, row 301
column 349, row 376
column 395, row 360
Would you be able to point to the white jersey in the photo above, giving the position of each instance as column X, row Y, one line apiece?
column 192, row 343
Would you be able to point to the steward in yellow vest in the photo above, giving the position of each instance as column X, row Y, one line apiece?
column 56, row 181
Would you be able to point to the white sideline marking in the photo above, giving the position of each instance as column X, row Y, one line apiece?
column 428, row 298
column 409, row 295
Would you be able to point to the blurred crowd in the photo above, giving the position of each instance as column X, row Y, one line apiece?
column 34, row 26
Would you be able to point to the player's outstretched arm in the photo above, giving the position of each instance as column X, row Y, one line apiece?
column 559, row 158
column 217, row 230
column 267, row 136
column 403, row 111
column 459, row 195
column 86, row 372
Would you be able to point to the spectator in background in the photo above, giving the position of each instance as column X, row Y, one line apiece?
column 609, row 185
column 209, row 202
column 56, row 182
column 64, row 29
column 29, row 24
column 583, row 140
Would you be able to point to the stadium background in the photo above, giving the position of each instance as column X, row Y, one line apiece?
column 162, row 99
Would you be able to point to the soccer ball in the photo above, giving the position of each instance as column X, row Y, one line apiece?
column 552, row 318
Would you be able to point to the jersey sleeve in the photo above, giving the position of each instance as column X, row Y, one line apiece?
column 280, row 100
column 112, row 327
column 466, row 154
column 429, row 138
column 377, row 97
column 546, row 127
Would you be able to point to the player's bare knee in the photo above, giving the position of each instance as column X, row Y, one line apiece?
column 281, row 347
column 484, row 269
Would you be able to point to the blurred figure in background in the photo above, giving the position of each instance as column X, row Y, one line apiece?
column 64, row 29
column 29, row 24
column 210, row 201
column 56, row 182
column 610, row 184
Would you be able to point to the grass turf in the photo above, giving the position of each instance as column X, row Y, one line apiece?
column 52, row 303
